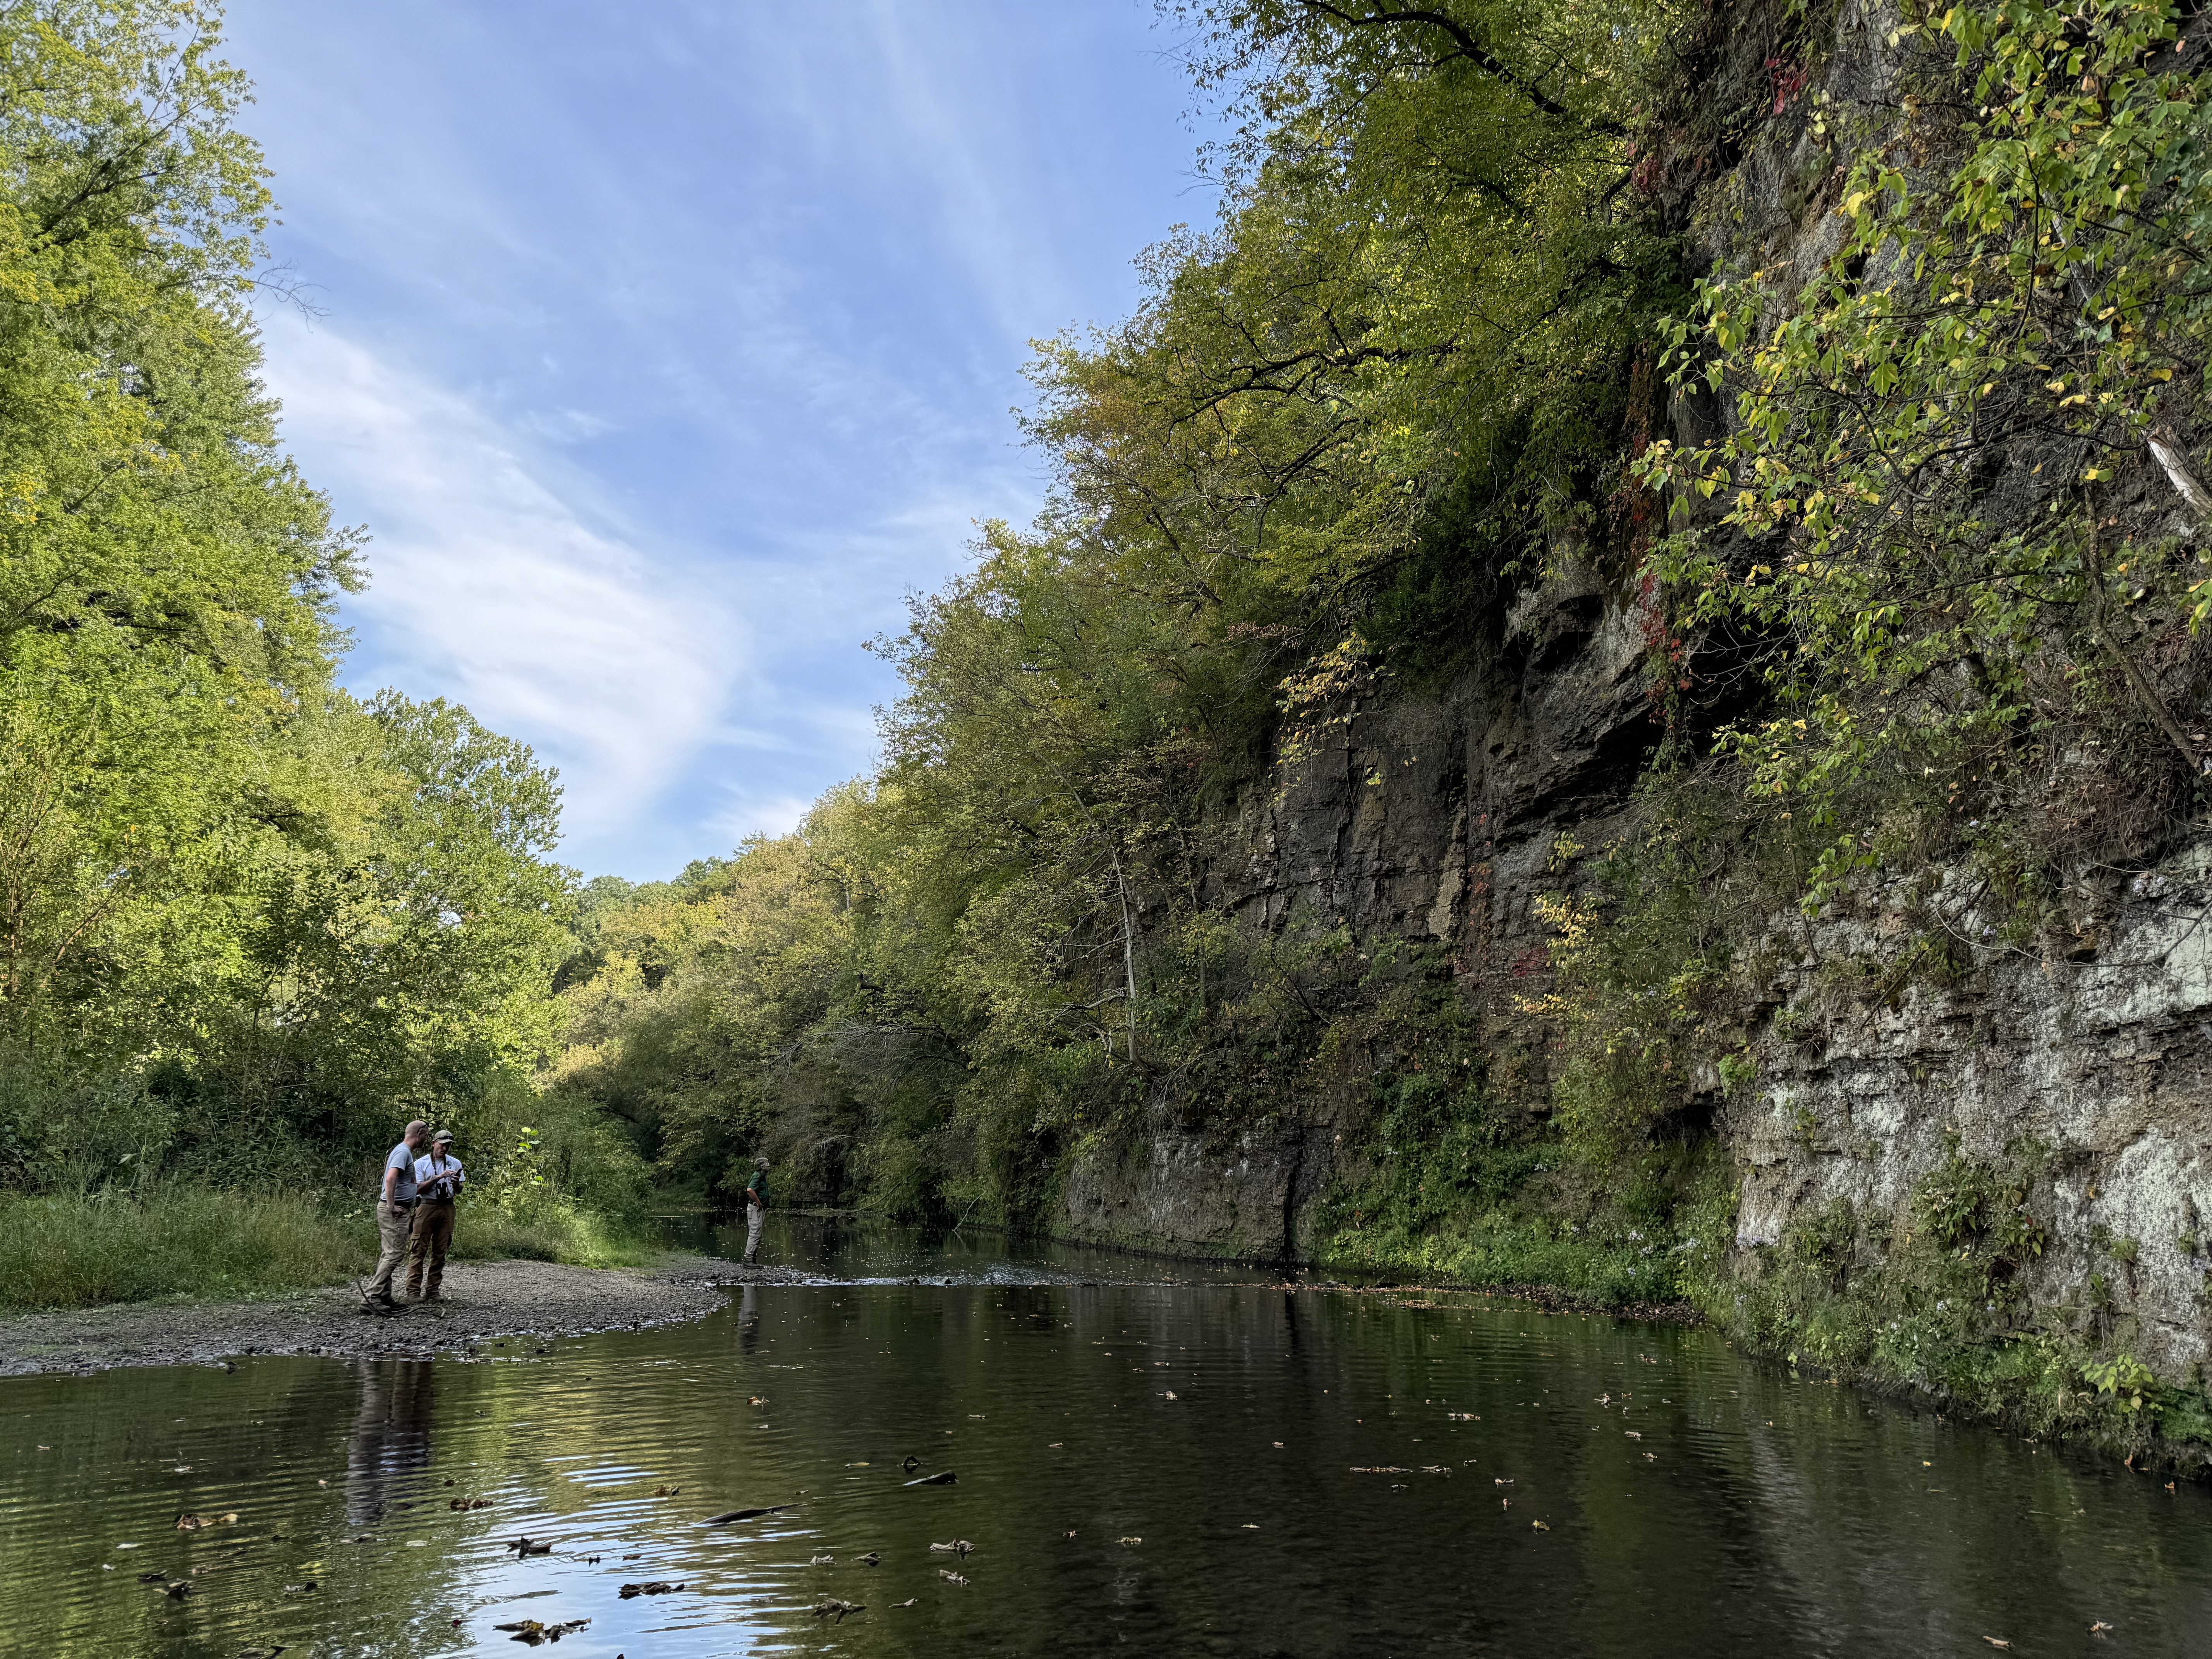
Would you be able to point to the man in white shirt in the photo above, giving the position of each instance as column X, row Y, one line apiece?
column 438, row 1181
column 395, row 1206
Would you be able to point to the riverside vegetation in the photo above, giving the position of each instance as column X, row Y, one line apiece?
column 245, row 919
column 1890, row 525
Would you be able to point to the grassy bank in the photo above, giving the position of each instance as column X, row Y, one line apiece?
column 82, row 1251
column 1933, row 1314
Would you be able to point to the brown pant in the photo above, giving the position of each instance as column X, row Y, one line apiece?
column 392, row 1232
column 426, row 1252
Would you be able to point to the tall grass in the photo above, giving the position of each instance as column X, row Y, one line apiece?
column 76, row 1251
column 80, row 1250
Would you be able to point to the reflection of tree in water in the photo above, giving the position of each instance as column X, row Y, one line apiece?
column 391, row 1432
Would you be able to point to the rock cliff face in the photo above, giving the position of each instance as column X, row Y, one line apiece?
column 2083, row 1071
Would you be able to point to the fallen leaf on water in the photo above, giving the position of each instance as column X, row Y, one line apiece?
column 1501, row 1480
column 322, row 1483
column 2099, row 1629
column 909, row 1603
column 1631, row 1434
column 651, row 1587
column 1055, row 1446
column 184, row 1469
column 856, row 1465
column 1651, row 1457
column 1249, row 1526
column 1539, row 1526
column 1170, row 1395
column 830, row 1606
column 1279, row 1445
column 1996, row 1641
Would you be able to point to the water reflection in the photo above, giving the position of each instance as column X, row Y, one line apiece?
column 391, row 1432
column 1149, row 1468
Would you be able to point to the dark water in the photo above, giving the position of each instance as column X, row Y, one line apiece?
column 1310, row 1472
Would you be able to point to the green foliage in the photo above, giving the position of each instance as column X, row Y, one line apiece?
column 234, row 901
column 1914, row 493
column 77, row 1250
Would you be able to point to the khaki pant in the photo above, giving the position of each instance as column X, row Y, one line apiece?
column 426, row 1253
column 391, row 1230
column 755, row 1215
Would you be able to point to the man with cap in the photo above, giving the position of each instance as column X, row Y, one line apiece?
column 438, row 1181
column 395, row 1206
column 756, row 1209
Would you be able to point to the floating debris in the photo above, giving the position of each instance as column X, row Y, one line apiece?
column 728, row 1515
column 531, row 1632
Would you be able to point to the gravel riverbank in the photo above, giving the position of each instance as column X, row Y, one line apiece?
column 482, row 1299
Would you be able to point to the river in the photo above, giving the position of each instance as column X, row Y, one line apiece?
column 1151, row 1459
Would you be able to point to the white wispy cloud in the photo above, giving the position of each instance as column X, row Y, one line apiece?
column 493, row 585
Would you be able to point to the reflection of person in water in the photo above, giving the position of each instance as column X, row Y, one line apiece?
column 391, row 1432
column 749, row 1317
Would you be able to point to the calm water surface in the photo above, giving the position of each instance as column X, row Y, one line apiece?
column 1152, row 1459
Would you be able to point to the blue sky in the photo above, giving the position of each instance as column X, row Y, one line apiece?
column 663, row 349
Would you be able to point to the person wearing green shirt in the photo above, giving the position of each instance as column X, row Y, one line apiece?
column 756, row 1209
